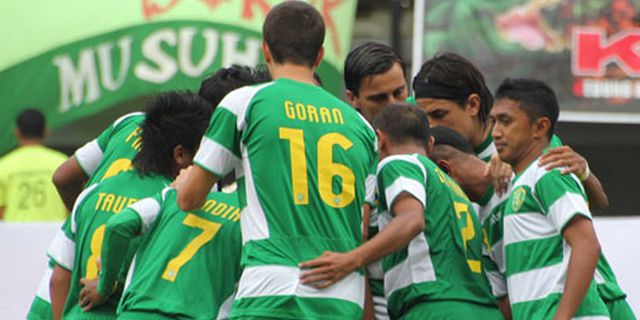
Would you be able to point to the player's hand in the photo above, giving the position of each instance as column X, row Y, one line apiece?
column 89, row 295
column 327, row 269
column 181, row 178
column 564, row 156
column 500, row 173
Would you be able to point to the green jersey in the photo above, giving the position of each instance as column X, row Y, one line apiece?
column 302, row 157
column 540, row 205
column 107, row 155
column 444, row 262
column 77, row 246
column 488, row 148
column 188, row 263
column 112, row 151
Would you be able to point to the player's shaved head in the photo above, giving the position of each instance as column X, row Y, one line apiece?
column 172, row 119
column 449, row 145
column 403, row 123
column 294, row 32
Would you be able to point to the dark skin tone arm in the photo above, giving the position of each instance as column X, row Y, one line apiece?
column 585, row 252
column 332, row 267
column 59, row 289
column 69, row 180
column 193, row 185
column 564, row 156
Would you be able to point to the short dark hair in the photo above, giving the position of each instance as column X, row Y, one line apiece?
column 452, row 70
column 368, row 59
column 31, row 123
column 294, row 32
column 225, row 80
column 535, row 98
column 445, row 136
column 172, row 118
column 403, row 123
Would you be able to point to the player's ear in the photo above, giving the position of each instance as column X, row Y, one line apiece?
column 472, row 105
column 266, row 53
column 445, row 166
column 541, row 126
column 319, row 57
column 182, row 157
column 382, row 143
column 430, row 144
column 352, row 98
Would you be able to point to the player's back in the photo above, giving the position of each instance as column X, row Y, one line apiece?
column 446, row 260
column 305, row 155
column 26, row 191
column 86, row 229
column 113, row 150
column 188, row 263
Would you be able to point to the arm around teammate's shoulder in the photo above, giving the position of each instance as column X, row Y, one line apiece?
column 193, row 184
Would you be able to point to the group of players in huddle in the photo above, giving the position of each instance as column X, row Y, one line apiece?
column 264, row 196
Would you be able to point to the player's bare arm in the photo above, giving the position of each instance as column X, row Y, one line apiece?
column 585, row 252
column 69, row 180
column 505, row 307
column 332, row 267
column 59, row 289
column 90, row 296
column 564, row 156
column 193, row 187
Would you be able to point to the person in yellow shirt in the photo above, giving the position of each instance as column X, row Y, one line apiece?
column 26, row 191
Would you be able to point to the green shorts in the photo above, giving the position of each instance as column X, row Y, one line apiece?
column 452, row 310
column 620, row 310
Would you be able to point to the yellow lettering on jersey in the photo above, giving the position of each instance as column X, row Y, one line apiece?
column 134, row 138
column 100, row 197
column 221, row 209
column 235, row 216
column 307, row 112
column 108, row 202
column 119, row 204
column 208, row 206
column 451, row 184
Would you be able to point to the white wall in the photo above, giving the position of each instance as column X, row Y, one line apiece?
column 23, row 251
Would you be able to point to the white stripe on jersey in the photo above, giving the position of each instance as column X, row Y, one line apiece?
column 237, row 101
column 274, row 280
column 537, row 284
column 62, row 250
column 416, row 268
column 215, row 157
column 43, row 288
column 565, row 208
column 527, row 226
column 253, row 221
column 148, row 210
column 89, row 157
column 402, row 184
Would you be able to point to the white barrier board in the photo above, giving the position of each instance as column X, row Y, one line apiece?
column 23, row 251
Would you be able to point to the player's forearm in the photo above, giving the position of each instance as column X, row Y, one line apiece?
column 505, row 307
column 119, row 231
column 395, row 236
column 598, row 200
column 69, row 180
column 59, row 290
column 582, row 265
column 194, row 187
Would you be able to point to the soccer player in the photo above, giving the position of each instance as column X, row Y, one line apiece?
column 551, row 249
column 112, row 153
column 187, row 265
column 26, row 192
column 304, row 156
column 430, row 235
column 454, row 94
column 374, row 78
column 456, row 157
column 174, row 124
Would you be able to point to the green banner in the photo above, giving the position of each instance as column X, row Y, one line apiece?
column 586, row 50
column 77, row 58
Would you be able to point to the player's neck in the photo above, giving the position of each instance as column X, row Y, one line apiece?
column 292, row 71
column 481, row 137
column 529, row 154
column 24, row 142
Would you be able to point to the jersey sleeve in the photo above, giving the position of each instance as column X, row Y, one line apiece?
column 120, row 229
column 63, row 249
column 496, row 278
column 219, row 150
column 561, row 197
column 399, row 175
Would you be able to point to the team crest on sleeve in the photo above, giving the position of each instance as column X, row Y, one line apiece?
column 518, row 198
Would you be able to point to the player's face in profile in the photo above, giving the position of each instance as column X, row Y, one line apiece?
column 449, row 114
column 379, row 91
column 512, row 130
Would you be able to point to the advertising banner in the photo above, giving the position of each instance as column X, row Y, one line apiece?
column 587, row 50
column 75, row 58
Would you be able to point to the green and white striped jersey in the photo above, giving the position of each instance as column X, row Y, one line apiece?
column 302, row 157
column 540, row 205
column 444, row 262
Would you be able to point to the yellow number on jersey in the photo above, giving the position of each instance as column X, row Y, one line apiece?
column 122, row 164
column 209, row 230
column 327, row 169
column 468, row 233
column 96, row 248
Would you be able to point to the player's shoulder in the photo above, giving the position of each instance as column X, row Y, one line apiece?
column 240, row 98
column 135, row 117
column 538, row 176
column 402, row 160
